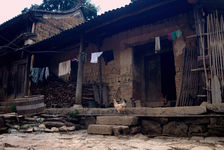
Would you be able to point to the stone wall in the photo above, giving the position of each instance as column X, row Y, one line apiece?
column 203, row 126
column 204, row 120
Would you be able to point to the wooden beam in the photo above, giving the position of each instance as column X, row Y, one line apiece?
column 78, row 94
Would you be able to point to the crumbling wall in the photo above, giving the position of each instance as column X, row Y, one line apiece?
column 119, row 73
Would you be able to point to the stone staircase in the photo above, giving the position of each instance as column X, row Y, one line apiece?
column 114, row 125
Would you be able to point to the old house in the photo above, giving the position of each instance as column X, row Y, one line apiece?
column 21, row 31
column 146, row 52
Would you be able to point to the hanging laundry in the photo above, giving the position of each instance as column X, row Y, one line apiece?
column 178, row 33
column 84, row 56
column 35, row 74
column 47, row 73
column 74, row 59
column 108, row 56
column 173, row 36
column 157, row 44
column 169, row 36
column 64, row 68
column 95, row 56
column 41, row 75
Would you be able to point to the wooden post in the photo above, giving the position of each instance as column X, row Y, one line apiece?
column 31, row 67
column 78, row 94
column 100, row 74
column 31, row 64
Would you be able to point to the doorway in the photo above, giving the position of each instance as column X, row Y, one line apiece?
column 154, row 75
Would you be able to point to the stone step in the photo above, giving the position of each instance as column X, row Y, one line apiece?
column 117, row 120
column 108, row 129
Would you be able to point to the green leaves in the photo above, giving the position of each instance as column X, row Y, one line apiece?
column 89, row 9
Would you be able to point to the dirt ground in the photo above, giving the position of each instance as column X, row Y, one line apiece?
column 80, row 140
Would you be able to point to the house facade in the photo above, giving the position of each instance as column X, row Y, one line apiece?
column 24, row 30
column 146, row 52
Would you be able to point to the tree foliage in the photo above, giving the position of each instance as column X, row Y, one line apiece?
column 133, row 1
column 89, row 9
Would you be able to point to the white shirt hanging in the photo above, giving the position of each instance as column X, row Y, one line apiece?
column 95, row 56
column 157, row 44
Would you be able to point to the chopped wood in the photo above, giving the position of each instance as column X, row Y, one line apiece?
column 61, row 94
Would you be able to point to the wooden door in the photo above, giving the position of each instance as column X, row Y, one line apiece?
column 152, row 78
column 11, row 89
column 21, row 80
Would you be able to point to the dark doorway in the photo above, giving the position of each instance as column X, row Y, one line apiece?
column 154, row 74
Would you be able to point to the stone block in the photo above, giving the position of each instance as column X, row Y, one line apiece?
column 135, row 130
column 217, row 122
column 175, row 128
column 151, row 128
column 88, row 120
column 117, row 120
column 160, row 120
column 63, row 129
column 219, row 108
column 174, row 111
column 100, row 129
column 197, row 129
column 197, row 121
column 120, row 130
column 216, row 132
column 50, row 124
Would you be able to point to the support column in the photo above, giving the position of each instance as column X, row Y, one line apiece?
column 30, row 69
column 78, row 93
column 100, row 74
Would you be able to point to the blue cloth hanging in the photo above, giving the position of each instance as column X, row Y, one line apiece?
column 35, row 75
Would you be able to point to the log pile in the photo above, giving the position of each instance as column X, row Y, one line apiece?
column 61, row 94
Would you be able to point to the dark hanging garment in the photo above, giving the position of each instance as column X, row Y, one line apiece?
column 108, row 56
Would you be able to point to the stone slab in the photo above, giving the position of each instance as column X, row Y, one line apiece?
column 120, row 130
column 137, row 111
column 171, row 111
column 100, row 129
column 117, row 120
column 219, row 108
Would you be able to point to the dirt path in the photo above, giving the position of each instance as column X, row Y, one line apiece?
column 80, row 140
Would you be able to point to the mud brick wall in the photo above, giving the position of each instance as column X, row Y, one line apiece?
column 119, row 73
column 55, row 23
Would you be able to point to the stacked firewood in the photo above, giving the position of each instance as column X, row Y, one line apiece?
column 61, row 94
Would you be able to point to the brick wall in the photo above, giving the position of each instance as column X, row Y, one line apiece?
column 56, row 23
